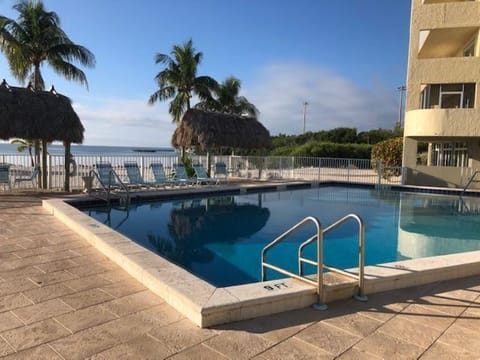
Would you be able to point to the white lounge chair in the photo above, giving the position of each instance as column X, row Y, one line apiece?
column 135, row 178
column 5, row 175
column 202, row 176
column 107, row 176
column 181, row 176
column 159, row 176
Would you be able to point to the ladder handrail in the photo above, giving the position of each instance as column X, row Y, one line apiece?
column 111, row 174
column 361, row 252
column 470, row 181
column 318, row 237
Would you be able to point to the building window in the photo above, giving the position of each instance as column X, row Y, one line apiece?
column 448, row 96
column 449, row 154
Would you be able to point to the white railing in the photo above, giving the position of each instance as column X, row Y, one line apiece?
column 358, row 171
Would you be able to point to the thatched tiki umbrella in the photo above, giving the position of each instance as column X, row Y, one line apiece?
column 206, row 130
column 43, row 115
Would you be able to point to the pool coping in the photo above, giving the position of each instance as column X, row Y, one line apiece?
column 207, row 305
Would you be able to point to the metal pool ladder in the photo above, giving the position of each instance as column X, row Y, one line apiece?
column 318, row 238
column 472, row 179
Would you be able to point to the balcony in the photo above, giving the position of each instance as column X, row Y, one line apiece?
column 435, row 123
column 448, row 42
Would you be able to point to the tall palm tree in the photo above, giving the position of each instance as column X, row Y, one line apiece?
column 179, row 81
column 227, row 100
column 37, row 38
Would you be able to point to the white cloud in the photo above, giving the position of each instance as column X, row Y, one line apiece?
column 279, row 93
column 333, row 101
column 125, row 122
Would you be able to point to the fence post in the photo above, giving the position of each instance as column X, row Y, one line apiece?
column 379, row 172
column 348, row 170
column 49, row 169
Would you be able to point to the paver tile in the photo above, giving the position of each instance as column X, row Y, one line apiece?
column 13, row 301
column 426, row 314
column 356, row 354
column 5, row 348
column 35, row 334
column 133, row 303
column 44, row 293
column 85, row 343
column 463, row 338
column 238, row 344
column 277, row 327
column 387, row 347
column 354, row 323
column 9, row 321
column 42, row 311
column 198, row 352
column 143, row 347
column 88, row 282
column 85, row 318
column 16, row 286
column 123, row 288
column 413, row 332
column 86, row 298
column 52, row 278
column 293, row 349
column 441, row 351
column 328, row 338
column 59, row 265
column 42, row 352
column 180, row 335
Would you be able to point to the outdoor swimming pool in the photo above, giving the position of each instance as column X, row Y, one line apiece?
column 220, row 238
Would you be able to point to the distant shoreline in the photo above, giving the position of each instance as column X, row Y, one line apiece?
column 57, row 149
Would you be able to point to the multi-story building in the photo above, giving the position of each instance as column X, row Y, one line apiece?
column 442, row 120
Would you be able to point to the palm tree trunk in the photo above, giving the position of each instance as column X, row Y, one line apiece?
column 44, row 164
column 38, row 86
column 67, row 159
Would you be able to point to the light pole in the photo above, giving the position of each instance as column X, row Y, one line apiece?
column 304, row 115
column 401, row 89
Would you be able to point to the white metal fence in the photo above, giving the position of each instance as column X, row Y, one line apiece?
column 248, row 167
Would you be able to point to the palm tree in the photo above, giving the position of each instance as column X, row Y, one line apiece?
column 23, row 145
column 34, row 39
column 228, row 100
column 179, row 80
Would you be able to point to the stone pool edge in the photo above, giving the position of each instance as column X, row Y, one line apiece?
column 206, row 305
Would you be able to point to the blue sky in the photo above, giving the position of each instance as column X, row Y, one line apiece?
column 345, row 58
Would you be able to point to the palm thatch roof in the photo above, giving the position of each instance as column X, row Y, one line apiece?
column 29, row 114
column 207, row 129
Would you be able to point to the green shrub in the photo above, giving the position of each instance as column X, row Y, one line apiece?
column 389, row 152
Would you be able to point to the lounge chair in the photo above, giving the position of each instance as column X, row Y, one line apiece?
column 32, row 177
column 181, row 176
column 202, row 176
column 159, row 177
column 135, row 178
column 107, row 176
column 4, row 175
column 221, row 169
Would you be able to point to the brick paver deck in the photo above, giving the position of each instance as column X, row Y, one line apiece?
column 61, row 299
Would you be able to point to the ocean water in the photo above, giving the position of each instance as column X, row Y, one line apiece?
column 55, row 149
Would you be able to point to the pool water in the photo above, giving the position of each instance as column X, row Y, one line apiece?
column 220, row 238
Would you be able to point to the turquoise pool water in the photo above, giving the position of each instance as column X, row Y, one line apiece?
column 220, row 238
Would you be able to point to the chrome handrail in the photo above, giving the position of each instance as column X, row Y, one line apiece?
column 470, row 181
column 107, row 191
column 361, row 254
column 318, row 237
